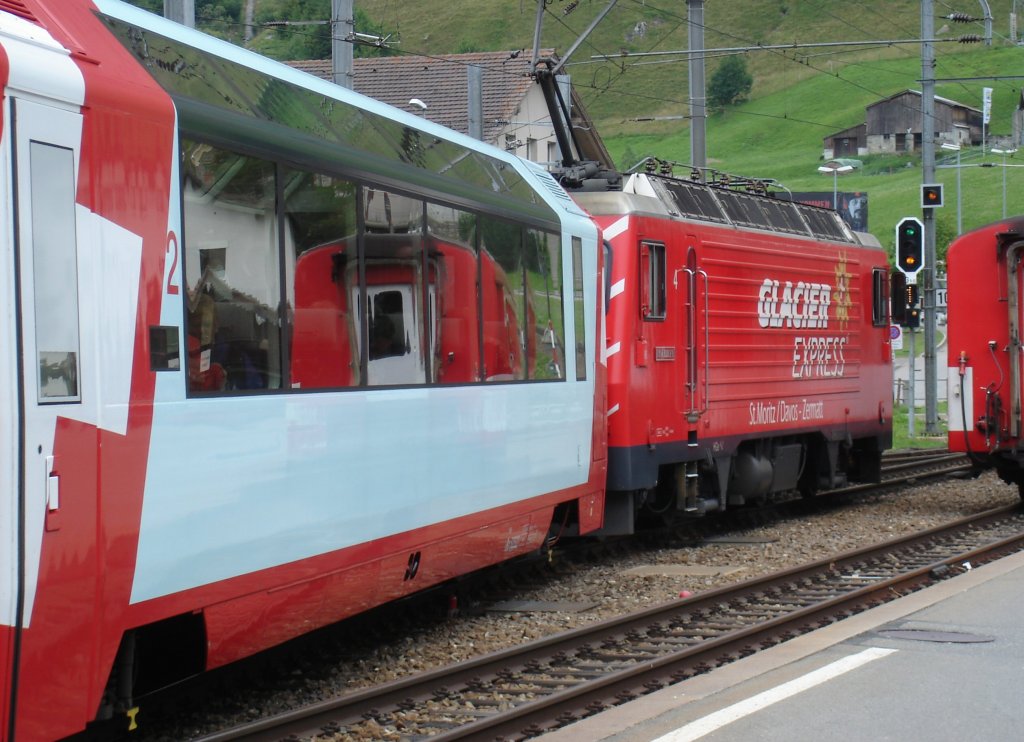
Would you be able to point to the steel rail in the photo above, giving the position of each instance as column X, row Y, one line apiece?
column 641, row 670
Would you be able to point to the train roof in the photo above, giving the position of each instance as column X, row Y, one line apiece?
column 233, row 96
column 675, row 198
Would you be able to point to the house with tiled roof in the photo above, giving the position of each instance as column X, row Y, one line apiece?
column 515, row 116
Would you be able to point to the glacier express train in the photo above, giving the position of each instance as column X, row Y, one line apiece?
column 274, row 353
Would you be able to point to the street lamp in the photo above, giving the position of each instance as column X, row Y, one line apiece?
column 835, row 170
column 956, row 148
column 1004, row 153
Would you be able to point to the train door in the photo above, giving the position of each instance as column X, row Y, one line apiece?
column 47, row 384
column 394, row 353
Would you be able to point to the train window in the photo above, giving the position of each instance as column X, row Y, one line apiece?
column 879, row 297
column 394, row 324
column 232, row 270
column 546, row 330
column 454, row 311
column 579, row 315
column 652, row 281
column 55, row 268
column 321, row 272
column 502, row 300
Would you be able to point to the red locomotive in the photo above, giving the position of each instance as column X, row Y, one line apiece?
column 984, row 346
column 748, row 348
column 276, row 353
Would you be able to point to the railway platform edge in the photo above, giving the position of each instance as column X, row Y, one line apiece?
column 664, row 711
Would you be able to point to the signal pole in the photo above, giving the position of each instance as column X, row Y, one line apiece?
column 931, row 416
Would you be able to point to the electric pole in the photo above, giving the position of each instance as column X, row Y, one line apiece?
column 342, row 30
column 181, row 11
column 698, row 100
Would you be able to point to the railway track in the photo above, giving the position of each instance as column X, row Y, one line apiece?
column 527, row 690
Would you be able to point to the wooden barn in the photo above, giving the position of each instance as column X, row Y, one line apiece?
column 850, row 142
column 893, row 124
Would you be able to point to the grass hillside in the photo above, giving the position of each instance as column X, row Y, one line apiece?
column 800, row 94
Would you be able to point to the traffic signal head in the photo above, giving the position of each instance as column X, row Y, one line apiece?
column 910, row 245
column 931, row 195
column 913, row 315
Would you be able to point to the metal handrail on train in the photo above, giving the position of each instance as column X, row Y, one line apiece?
column 691, row 331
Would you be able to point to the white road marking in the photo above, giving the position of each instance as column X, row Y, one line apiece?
column 719, row 719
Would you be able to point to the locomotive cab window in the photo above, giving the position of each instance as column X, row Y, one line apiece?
column 652, row 281
column 879, row 297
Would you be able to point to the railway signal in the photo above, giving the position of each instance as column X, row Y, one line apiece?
column 912, row 319
column 931, row 195
column 910, row 247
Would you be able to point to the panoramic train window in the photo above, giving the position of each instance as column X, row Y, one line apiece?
column 652, row 281
column 454, row 308
column 503, row 300
column 397, row 335
column 232, row 270
column 55, row 267
column 303, row 280
column 544, row 284
column 321, row 269
column 578, row 309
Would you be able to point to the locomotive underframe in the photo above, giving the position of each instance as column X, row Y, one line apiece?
column 678, row 480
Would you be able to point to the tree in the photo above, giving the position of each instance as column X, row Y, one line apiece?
column 731, row 83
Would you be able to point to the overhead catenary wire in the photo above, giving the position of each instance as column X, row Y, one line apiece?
column 609, row 86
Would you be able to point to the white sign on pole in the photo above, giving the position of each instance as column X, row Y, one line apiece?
column 896, row 337
column 940, row 297
column 986, row 105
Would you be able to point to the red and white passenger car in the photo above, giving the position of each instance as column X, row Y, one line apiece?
column 272, row 353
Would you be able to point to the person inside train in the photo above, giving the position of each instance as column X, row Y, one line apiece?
column 203, row 375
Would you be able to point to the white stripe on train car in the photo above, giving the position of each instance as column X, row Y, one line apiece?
column 616, row 228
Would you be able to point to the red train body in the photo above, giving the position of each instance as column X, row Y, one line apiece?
column 748, row 348
column 984, row 346
column 276, row 353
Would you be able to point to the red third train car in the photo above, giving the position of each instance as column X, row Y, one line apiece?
column 984, row 347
